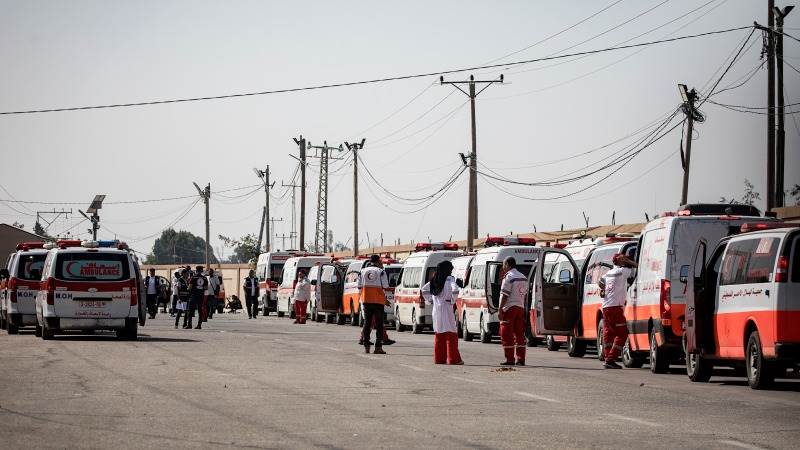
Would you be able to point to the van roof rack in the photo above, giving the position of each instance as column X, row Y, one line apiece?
column 718, row 209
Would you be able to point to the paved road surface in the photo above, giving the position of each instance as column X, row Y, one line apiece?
column 266, row 383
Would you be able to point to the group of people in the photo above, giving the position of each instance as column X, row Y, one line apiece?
column 193, row 292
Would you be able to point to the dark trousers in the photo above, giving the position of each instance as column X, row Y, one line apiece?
column 174, row 304
column 178, row 313
column 195, row 304
column 252, row 305
column 373, row 311
column 152, row 304
column 211, row 301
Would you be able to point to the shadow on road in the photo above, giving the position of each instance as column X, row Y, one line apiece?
column 110, row 337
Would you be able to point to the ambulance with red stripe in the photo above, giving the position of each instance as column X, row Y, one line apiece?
column 351, row 298
column 743, row 307
column 478, row 306
column 269, row 269
column 292, row 266
column 88, row 287
column 17, row 298
column 657, row 299
column 410, row 311
column 461, row 269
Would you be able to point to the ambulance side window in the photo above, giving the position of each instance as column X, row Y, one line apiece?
column 735, row 261
column 411, row 277
column 794, row 263
column 762, row 263
column 477, row 279
column 352, row 277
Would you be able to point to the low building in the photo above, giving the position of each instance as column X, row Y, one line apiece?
column 10, row 236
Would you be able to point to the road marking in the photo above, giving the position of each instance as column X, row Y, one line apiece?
column 467, row 380
column 418, row 369
column 738, row 444
column 634, row 420
column 333, row 349
column 538, row 397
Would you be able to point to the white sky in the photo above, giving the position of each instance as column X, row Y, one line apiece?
column 58, row 54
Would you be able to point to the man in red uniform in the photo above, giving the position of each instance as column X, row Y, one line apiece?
column 512, row 313
column 613, row 289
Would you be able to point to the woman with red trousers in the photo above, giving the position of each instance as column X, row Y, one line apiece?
column 442, row 292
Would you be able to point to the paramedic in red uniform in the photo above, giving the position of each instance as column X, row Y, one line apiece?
column 371, row 283
column 302, row 294
column 442, row 292
column 615, row 327
column 511, row 313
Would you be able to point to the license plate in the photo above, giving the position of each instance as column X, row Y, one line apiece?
column 95, row 303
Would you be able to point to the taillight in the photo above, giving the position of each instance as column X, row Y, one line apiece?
column 134, row 292
column 12, row 289
column 665, row 303
column 782, row 274
column 50, row 287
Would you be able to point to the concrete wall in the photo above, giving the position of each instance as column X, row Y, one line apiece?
column 233, row 275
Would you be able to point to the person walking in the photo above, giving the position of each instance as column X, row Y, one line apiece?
column 151, row 284
column 197, row 287
column 371, row 283
column 511, row 313
column 251, row 292
column 175, row 286
column 302, row 294
column 181, row 291
column 211, row 293
column 613, row 289
column 442, row 292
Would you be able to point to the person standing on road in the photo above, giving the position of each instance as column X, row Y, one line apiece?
column 175, row 286
column 613, row 289
column 511, row 313
column 371, row 283
column 251, row 292
column 442, row 292
column 302, row 294
column 151, row 284
column 211, row 293
column 182, row 294
column 197, row 286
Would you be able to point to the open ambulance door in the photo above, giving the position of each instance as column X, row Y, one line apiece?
column 330, row 291
column 694, row 277
column 555, row 295
column 492, row 290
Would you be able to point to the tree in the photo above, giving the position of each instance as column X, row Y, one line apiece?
column 339, row 247
column 749, row 198
column 795, row 192
column 245, row 249
column 19, row 225
column 179, row 247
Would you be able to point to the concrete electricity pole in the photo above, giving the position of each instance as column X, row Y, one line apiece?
column 472, row 209
column 770, row 105
column 355, row 147
column 272, row 225
column 205, row 194
column 302, row 143
column 263, row 175
column 689, row 98
column 780, row 147
column 293, row 233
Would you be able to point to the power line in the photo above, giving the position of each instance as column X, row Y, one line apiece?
column 376, row 80
column 126, row 202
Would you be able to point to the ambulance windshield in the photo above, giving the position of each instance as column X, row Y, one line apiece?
column 92, row 267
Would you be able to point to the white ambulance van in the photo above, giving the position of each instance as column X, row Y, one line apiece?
column 291, row 268
column 327, row 287
column 461, row 269
column 743, row 307
column 269, row 269
column 409, row 307
column 18, row 296
column 477, row 305
column 88, row 287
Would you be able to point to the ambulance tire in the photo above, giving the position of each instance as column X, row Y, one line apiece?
column 631, row 359
column 265, row 310
column 659, row 362
column 397, row 325
column 38, row 332
column 760, row 373
column 330, row 318
column 486, row 337
column 280, row 313
column 416, row 327
column 552, row 344
column 576, row 348
column 600, row 340
column 465, row 330
column 341, row 319
column 698, row 368
column 12, row 329
column 47, row 332
column 2, row 320
column 220, row 309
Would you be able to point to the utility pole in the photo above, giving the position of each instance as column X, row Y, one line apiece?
column 355, row 147
column 40, row 217
column 263, row 175
column 261, row 228
column 472, row 202
column 780, row 148
column 321, row 230
column 272, row 225
column 689, row 98
column 302, row 143
column 283, row 238
column 770, row 105
column 205, row 194
column 293, row 232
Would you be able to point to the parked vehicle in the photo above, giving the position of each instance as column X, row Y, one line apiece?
column 327, row 287
column 461, row 271
column 269, row 269
column 285, row 302
column 22, row 280
column 743, row 307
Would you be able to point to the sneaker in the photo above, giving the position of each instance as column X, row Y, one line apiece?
column 361, row 342
column 198, row 327
column 520, row 363
column 460, row 363
column 388, row 342
column 366, row 349
column 611, row 365
column 507, row 363
column 378, row 351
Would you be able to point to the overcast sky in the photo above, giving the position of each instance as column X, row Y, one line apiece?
column 79, row 53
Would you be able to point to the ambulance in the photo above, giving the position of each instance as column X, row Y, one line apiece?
column 17, row 298
column 477, row 298
column 657, row 299
column 269, row 268
column 351, row 298
column 461, row 269
column 743, row 307
column 410, row 311
column 86, row 286
column 293, row 265
column 327, row 285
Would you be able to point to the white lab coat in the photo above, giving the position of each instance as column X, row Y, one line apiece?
column 444, row 319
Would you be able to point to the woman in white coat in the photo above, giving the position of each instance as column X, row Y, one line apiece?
column 442, row 292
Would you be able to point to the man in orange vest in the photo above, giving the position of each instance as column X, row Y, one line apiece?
column 371, row 282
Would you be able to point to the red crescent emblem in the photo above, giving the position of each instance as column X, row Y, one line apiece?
column 68, row 268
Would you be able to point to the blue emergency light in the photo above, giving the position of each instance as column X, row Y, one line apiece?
column 108, row 243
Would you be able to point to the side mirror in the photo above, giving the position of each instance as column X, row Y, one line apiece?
column 684, row 277
column 460, row 283
column 564, row 276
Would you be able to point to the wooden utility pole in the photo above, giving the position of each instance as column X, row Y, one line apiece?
column 263, row 175
column 780, row 144
column 472, row 202
column 302, row 143
column 272, row 225
column 689, row 98
column 205, row 194
column 770, row 105
column 355, row 147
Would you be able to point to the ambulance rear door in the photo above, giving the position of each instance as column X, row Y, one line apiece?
column 694, row 275
column 492, row 291
column 556, row 298
column 330, row 287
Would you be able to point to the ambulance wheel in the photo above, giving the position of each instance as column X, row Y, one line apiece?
column 600, row 341
column 291, row 312
column 630, row 359
column 698, row 368
column 38, row 332
column 12, row 329
column 47, row 333
column 329, row 318
column 280, row 313
column 2, row 320
column 341, row 319
column 465, row 330
column 220, row 309
column 552, row 344
column 397, row 325
column 265, row 311
column 416, row 327
column 486, row 337
column 760, row 373
column 658, row 359
column 576, row 348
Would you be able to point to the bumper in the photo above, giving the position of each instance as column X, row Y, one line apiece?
column 60, row 323
column 22, row 320
column 788, row 351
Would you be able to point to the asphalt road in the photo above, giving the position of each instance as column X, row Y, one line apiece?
column 267, row 383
